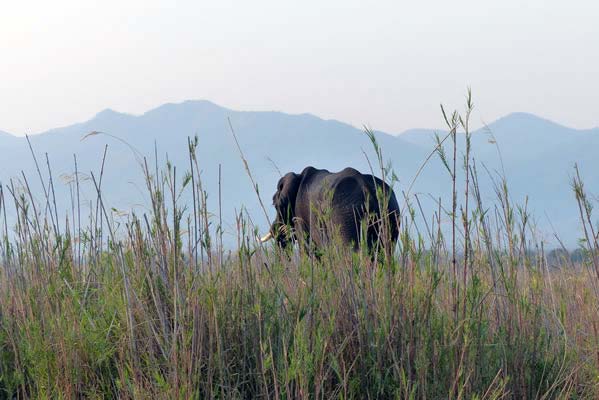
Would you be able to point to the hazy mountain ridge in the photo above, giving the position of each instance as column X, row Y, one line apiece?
column 536, row 154
column 6, row 138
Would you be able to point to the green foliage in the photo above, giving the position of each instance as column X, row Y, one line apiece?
column 156, row 309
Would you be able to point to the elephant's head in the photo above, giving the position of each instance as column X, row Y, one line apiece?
column 284, row 202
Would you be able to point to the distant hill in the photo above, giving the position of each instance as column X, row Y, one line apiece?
column 5, row 136
column 537, row 156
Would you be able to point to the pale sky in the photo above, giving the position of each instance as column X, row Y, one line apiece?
column 386, row 64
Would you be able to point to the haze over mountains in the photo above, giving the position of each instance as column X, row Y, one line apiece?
column 536, row 155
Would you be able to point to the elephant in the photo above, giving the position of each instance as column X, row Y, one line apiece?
column 316, row 203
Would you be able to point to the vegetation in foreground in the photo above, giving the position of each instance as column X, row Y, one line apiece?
column 154, row 308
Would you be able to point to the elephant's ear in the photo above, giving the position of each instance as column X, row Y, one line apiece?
column 286, row 195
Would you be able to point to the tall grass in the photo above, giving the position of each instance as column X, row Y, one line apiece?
column 155, row 309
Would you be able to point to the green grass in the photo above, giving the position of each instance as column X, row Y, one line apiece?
column 91, row 311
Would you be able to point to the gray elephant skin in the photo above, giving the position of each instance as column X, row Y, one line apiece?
column 317, row 205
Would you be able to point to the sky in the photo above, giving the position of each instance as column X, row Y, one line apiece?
column 384, row 64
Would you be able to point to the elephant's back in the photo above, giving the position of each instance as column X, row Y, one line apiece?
column 348, row 191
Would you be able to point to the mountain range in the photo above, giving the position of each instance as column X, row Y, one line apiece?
column 535, row 155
